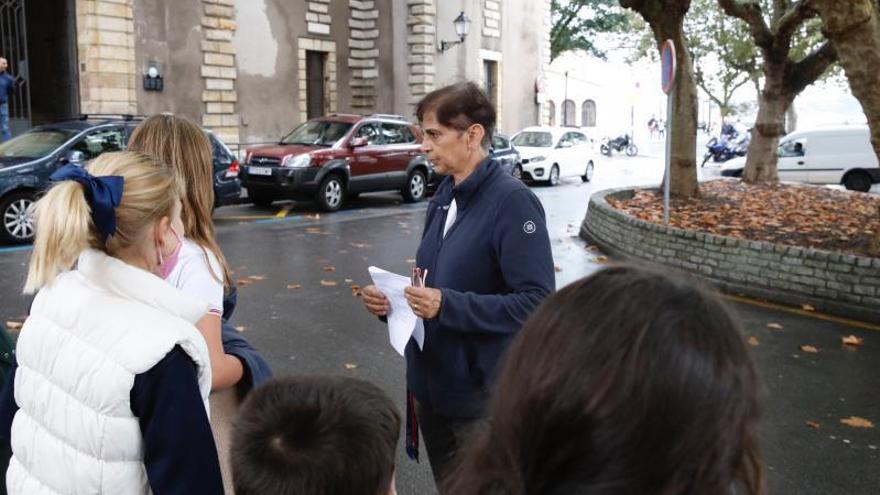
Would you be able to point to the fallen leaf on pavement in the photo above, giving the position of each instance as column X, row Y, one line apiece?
column 809, row 348
column 558, row 269
column 240, row 328
column 329, row 283
column 601, row 260
column 851, row 340
column 358, row 245
column 257, row 277
column 410, row 260
column 812, row 424
column 313, row 230
column 753, row 341
column 355, row 290
column 593, row 248
column 348, row 280
column 807, row 307
column 350, row 366
column 329, row 268
column 14, row 325
column 244, row 281
column 774, row 326
column 857, row 422
column 294, row 286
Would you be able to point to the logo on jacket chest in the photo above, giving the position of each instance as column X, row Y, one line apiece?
column 529, row 227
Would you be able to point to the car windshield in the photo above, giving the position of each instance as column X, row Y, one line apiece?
column 318, row 133
column 36, row 143
column 533, row 140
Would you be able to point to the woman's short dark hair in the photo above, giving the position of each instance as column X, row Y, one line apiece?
column 315, row 434
column 629, row 381
column 460, row 106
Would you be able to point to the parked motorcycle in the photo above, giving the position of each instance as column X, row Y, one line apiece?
column 726, row 148
column 620, row 144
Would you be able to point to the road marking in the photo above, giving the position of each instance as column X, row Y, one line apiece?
column 809, row 314
column 13, row 249
column 284, row 211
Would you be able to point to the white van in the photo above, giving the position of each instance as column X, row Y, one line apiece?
column 827, row 155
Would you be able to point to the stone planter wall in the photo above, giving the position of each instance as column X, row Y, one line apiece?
column 835, row 283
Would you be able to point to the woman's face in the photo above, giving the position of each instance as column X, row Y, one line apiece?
column 446, row 147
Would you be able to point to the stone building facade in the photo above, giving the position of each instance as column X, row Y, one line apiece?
column 251, row 70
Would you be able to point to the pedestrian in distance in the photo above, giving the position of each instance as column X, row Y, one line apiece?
column 110, row 393
column 7, row 88
column 202, row 270
column 486, row 255
column 629, row 381
column 316, row 435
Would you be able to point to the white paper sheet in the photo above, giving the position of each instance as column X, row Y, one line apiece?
column 402, row 322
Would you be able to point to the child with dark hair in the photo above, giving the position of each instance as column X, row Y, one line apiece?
column 315, row 435
column 631, row 381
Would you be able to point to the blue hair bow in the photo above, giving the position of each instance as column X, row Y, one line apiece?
column 102, row 193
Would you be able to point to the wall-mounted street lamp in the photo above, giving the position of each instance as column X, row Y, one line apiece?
column 153, row 77
column 462, row 26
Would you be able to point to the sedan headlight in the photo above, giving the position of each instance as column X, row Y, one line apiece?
column 537, row 159
column 297, row 161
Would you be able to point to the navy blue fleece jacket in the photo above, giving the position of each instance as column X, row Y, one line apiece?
column 494, row 267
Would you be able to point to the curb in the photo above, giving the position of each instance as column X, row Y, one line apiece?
column 832, row 282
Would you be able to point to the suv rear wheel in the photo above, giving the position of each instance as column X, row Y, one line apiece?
column 331, row 193
column 415, row 188
column 17, row 213
column 261, row 199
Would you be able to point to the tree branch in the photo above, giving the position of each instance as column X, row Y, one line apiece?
column 791, row 20
column 750, row 12
column 807, row 71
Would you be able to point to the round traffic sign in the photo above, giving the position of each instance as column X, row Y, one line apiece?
column 667, row 61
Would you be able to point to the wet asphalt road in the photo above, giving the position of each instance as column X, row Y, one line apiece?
column 300, row 311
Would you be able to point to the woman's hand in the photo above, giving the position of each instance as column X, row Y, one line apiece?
column 375, row 302
column 424, row 301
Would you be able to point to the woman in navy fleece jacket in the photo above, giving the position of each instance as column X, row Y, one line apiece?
column 487, row 254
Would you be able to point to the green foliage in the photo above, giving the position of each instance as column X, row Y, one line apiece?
column 576, row 24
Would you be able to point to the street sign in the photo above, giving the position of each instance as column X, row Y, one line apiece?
column 667, row 61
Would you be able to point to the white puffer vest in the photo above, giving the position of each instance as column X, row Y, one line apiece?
column 89, row 334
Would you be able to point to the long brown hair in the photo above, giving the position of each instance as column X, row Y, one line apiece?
column 629, row 381
column 185, row 147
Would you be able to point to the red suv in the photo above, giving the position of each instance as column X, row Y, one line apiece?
column 332, row 158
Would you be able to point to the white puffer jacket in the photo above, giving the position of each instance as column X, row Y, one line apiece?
column 89, row 334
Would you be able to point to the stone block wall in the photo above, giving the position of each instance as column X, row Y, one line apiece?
column 836, row 283
column 546, row 52
column 105, row 39
column 422, row 41
column 330, row 95
column 492, row 19
column 363, row 54
column 318, row 18
column 219, row 70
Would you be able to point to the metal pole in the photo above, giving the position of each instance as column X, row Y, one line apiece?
column 670, row 101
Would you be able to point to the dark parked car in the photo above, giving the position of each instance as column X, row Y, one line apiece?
column 329, row 159
column 27, row 161
column 504, row 153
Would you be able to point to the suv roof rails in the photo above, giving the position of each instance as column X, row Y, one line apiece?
column 387, row 116
column 110, row 116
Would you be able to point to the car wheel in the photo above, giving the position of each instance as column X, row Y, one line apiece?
column 632, row 150
column 517, row 172
column 331, row 193
column 415, row 188
column 554, row 176
column 17, row 211
column 588, row 173
column 857, row 181
column 261, row 200
column 605, row 150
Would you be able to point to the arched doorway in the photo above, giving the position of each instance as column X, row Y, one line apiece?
column 588, row 114
column 568, row 113
column 551, row 109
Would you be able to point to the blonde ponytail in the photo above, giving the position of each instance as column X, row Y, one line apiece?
column 64, row 226
column 64, row 230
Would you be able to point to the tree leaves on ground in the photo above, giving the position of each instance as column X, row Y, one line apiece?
column 857, row 422
column 788, row 214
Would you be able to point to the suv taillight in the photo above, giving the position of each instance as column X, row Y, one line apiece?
column 232, row 171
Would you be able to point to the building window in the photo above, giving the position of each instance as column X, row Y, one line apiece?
column 315, row 91
column 568, row 113
column 551, row 109
column 588, row 111
column 490, row 80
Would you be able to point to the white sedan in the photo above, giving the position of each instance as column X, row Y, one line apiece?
column 550, row 153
